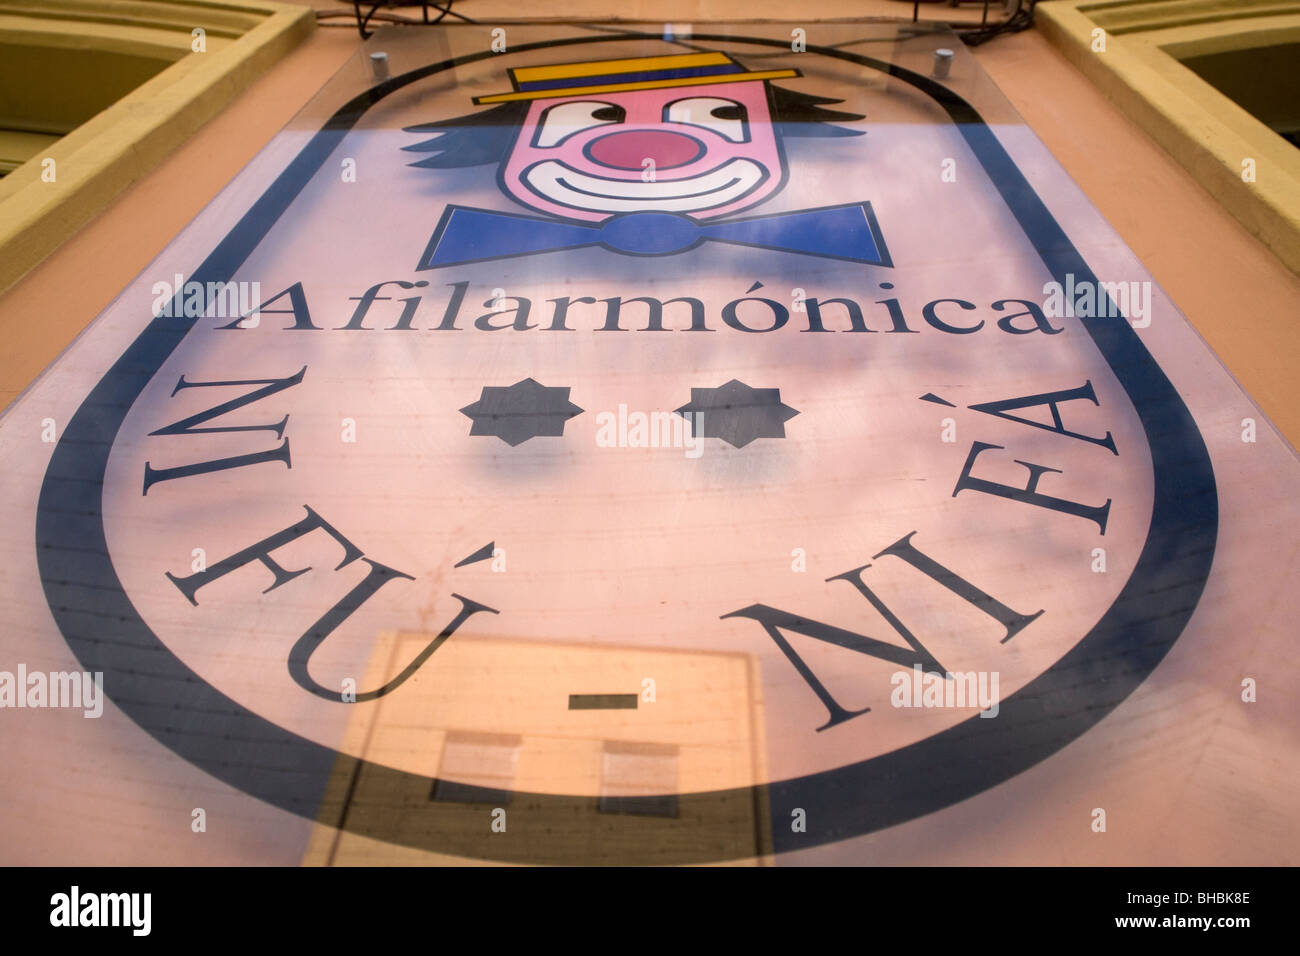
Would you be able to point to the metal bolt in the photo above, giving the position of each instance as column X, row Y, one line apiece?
column 942, row 63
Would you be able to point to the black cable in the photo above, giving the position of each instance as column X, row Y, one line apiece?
column 448, row 11
column 1022, row 18
column 361, row 20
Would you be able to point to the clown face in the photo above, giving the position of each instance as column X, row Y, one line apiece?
column 706, row 150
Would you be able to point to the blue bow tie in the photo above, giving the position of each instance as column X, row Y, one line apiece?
column 465, row 234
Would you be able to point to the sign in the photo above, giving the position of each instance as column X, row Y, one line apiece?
column 643, row 447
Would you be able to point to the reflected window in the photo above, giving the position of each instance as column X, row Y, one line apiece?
column 639, row 778
column 477, row 768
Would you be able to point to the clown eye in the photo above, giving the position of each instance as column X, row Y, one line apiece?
column 564, row 119
column 727, row 118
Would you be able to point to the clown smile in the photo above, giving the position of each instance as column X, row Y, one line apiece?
column 566, row 186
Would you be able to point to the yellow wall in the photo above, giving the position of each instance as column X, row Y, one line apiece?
column 123, row 81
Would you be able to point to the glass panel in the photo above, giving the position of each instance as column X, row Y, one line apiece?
column 783, row 402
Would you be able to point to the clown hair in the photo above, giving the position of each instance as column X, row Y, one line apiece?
column 486, row 137
column 471, row 140
column 802, row 114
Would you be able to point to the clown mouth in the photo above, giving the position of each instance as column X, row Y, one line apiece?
column 566, row 186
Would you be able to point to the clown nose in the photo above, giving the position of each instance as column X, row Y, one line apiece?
column 631, row 148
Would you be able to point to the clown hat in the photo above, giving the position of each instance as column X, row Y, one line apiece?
column 634, row 73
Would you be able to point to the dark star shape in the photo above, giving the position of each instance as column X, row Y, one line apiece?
column 737, row 413
column 521, row 411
